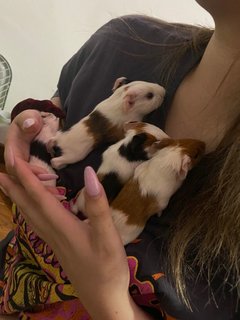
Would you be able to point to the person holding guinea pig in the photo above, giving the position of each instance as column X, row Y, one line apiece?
column 185, row 264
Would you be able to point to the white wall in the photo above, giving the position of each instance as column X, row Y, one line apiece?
column 38, row 36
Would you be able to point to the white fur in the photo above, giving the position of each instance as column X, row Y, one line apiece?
column 127, row 103
column 75, row 144
column 117, row 109
column 160, row 176
column 49, row 128
column 112, row 161
column 127, row 232
column 37, row 162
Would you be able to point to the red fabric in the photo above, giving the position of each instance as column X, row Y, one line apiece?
column 41, row 105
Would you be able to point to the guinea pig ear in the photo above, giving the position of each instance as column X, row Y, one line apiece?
column 153, row 148
column 119, row 82
column 160, row 144
column 129, row 101
column 185, row 167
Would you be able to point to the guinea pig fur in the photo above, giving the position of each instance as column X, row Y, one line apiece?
column 129, row 102
column 154, row 182
column 39, row 154
column 120, row 159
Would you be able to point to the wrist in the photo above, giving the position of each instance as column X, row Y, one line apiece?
column 121, row 308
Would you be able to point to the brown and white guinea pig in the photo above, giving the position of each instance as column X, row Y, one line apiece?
column 153, row 183
column 129, row 102
column 39, row 154
column 121, row 159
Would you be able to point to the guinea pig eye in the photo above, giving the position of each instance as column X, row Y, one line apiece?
column 149, row 95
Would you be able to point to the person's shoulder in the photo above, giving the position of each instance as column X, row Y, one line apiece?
column 146, row 28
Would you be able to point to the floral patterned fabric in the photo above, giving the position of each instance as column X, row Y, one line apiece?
column 35, row 284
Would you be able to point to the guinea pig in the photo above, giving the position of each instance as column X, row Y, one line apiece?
column 121, row 159
column 153, row 184
column 39, row 154
column 129, row 102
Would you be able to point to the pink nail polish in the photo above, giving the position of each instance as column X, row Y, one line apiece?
column 47, row 176
column 28, row 123
column 91, row 182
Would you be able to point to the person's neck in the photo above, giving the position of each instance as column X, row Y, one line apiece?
column 219, row 56
column 204, row 104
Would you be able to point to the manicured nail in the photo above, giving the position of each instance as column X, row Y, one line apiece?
column 10, row 157
column 47, row 176
column 91, row 182
column 60, row 198
column 61, row 191
column 3, row 190
column 28, row 123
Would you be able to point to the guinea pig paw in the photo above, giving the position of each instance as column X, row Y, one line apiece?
column 58, row 163
column 50, row 146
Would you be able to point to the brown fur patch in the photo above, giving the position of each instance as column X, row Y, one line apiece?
column 166, row 142
column 195, row 149
column 137, row 208
column 135, row 125
column 149, row 141
column 102, row 129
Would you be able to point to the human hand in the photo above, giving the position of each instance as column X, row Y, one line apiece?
column 91, row 253
column 25, row 126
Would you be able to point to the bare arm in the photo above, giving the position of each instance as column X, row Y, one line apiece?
column 57, row 102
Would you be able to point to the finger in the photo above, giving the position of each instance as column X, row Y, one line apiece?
column 29, row 122
column 97, row 207
column 49, row 225
column 37, row 170
column 47, row 176
column 35, row 189
column 30, row 182
column 56, row 193
column 21, row 132
column 16, row 193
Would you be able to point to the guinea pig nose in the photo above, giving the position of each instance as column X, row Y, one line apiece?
column 149, row 95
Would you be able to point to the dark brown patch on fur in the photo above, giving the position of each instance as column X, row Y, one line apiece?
column 137, row 208
column 195, row 149
column 149, row 141
column 102, row 129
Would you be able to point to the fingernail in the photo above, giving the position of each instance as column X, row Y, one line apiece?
column 47, row 176
column 28, row 123
column 60, row 198
column 10, row 156
column 61, row 191
column 3, row 190
column 91, row 182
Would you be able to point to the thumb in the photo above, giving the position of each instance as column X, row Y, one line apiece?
column 97, row 207
column 29, row 123
column 25, row 126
